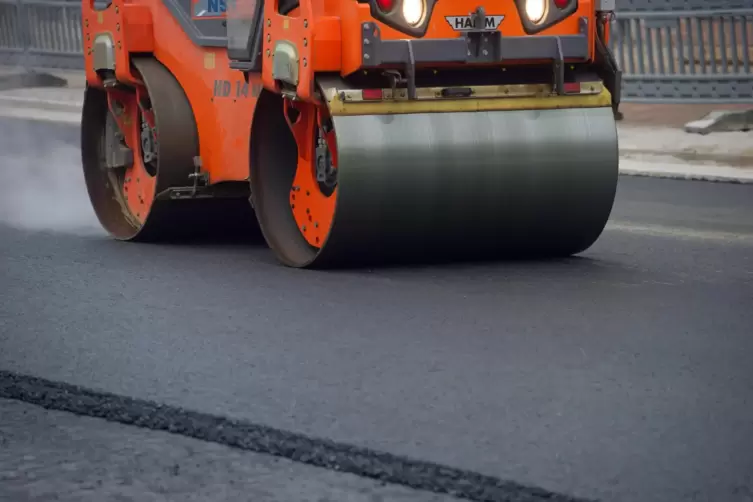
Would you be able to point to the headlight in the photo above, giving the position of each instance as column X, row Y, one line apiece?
column 413, row 11
column 410, row 17
column 535, row 10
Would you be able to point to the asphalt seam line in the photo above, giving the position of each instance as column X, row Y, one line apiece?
column 710, row 178
column 679, row 232
column 328, row 454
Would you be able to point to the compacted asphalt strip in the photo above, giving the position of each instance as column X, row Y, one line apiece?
column 52, row 455
column 622, row 374
column 380, row 466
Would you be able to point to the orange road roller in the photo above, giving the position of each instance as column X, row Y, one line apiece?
column 354, row 131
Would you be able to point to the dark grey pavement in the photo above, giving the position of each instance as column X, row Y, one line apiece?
column 52, row 455
column 624, row 374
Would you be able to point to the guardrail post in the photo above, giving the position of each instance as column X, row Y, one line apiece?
column 23, row 33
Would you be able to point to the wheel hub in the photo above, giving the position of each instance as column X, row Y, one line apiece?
column 148, row 142
column 326, row 174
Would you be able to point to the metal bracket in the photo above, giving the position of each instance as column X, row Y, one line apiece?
column 407, row 59
column 227, row 190
column 478, row 45
column 559, row 68
column 197, row 176
column 117, row 154
column 605, row 5
column 483, row 45
column 395, row 78
column 608, row 68
column 478, row 18
column 410, row 71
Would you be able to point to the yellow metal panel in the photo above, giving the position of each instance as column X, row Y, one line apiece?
column 338, row 107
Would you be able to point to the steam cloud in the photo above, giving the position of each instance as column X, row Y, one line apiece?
column 41, row 181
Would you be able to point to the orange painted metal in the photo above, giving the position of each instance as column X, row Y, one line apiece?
column 327, row 35
column 224, row 123
column 313, row 211
column 354, row 14
column 139, row 186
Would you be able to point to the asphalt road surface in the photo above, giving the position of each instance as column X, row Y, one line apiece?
column 59, row 456
column 624, row 374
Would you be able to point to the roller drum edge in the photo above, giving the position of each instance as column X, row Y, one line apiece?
column 166, row 219
column 477, row 185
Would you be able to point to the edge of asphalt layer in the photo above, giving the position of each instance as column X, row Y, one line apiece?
column 324, row 453
column 713, row 175
column 634, row 161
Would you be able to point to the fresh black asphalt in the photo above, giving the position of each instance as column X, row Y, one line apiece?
column 621, row 375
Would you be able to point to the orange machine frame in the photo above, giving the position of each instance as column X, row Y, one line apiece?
column 327, row 34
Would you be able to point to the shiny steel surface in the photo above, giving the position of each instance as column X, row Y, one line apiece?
column 436, row 186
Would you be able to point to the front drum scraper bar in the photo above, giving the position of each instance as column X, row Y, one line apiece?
column 475, row 46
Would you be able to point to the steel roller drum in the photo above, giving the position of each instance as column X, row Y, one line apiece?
column 463, row 185
column 162, row 217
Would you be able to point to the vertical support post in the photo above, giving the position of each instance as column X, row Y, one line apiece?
column 23, row 32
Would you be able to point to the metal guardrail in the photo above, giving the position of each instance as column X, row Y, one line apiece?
column 670, row 51
column 685, row 51
column 41, row 34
